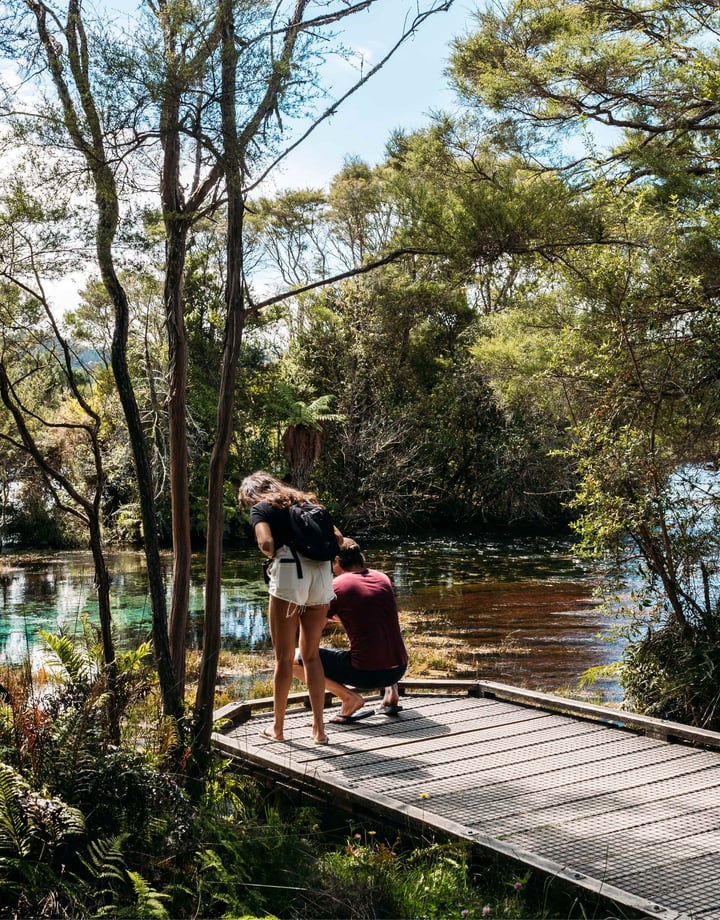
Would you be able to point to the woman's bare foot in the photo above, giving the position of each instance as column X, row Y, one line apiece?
column 271, row 735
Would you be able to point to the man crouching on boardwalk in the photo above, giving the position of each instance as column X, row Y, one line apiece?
column 365, row 605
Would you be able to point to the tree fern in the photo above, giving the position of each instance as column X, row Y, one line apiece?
column 293, row 412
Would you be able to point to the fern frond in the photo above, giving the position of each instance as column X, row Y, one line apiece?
column 53, row 819
column 27, row 816
column 126, row 893
column 16, row 831
column 135, row 660
column 105, row 859
column 169, row 734
column 77, row 666
column 148, row 901
column 93, row 642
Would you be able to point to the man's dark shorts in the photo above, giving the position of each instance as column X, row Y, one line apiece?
column 338, row 667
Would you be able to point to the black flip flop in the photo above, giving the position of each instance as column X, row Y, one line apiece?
column 340, row 719
column 392, row 710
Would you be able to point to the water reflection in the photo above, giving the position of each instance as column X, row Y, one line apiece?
column 524, row 608
column 530, row 597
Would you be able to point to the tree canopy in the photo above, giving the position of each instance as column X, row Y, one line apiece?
column 509, row 321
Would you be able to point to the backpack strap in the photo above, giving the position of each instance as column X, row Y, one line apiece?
column 298, row 564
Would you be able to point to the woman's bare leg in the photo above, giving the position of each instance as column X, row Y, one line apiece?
column 312, row 623
column 283, row 632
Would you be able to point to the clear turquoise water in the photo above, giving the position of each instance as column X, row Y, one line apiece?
column 531, row 596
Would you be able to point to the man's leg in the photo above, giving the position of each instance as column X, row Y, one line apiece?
column 350, row 701
column 391, row 696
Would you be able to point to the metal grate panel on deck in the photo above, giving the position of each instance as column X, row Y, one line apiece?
column 608, row 808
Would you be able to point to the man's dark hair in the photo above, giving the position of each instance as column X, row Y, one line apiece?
column 350, row 555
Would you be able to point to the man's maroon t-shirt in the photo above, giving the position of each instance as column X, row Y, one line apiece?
column 365, row 604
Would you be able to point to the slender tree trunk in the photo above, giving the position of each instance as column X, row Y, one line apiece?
column 172, row 702
column 176, row 228
column 84, row 126
column 177, row 439
column 102, row 584
column 235, row 318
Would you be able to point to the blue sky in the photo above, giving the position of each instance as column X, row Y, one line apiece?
column 401, row 95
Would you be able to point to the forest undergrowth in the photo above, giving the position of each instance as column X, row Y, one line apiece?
column 94, row 828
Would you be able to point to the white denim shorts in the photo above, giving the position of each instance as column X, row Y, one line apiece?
column 313, row 589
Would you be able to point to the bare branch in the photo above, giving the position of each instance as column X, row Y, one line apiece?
column 331, row 110
column 353, row 272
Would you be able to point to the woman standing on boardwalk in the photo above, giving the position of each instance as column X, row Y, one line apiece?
column 300, row 591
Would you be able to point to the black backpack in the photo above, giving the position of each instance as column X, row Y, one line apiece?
column 313, row 533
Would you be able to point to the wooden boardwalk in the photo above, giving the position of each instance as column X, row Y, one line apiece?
column 624, row 806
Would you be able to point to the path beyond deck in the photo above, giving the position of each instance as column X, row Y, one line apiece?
column 624, row 806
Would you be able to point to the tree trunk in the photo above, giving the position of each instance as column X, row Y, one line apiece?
column 177, row 438
column 172, row 702
column 302, row 445
column 176, row 227
column 234, row 322
column 86, row 132
column 102, row 584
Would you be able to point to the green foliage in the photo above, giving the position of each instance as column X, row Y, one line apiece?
column 672, row 675
column 665, row 532
column 545, row 68
column 30, row 519
column 80, row 668
column 247, row 858
column 618, row 333
column 30, row 822
column 34, row 832
column 118, row 891
column 368, row 878
column 113, row 834
column 293, row 412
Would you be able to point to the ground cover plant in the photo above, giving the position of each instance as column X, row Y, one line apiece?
column 89, row 827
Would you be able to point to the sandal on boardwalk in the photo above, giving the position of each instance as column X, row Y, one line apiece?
column 341, row 719
column 391, row 709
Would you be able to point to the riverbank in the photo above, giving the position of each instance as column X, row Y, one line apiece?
column 517, row 611
column 248, row 675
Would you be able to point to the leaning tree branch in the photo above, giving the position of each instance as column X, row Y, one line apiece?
column 331, row 110
column 351, row 273
column 66, row 363
column 30, row 447
column 277, row 81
